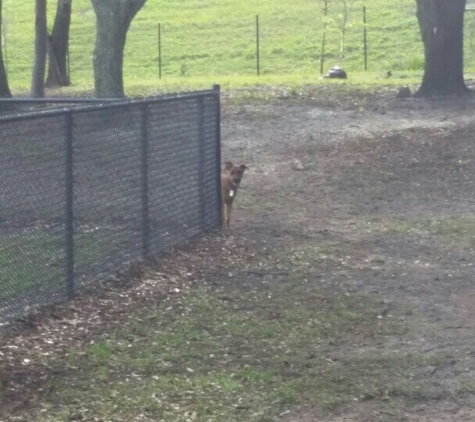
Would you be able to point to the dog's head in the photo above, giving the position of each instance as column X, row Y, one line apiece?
column 235, row 173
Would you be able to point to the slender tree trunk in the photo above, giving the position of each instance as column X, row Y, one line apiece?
column 4, row 88
column 58, row 44
column 441, row 25
column 41, row 36
column 113, row 22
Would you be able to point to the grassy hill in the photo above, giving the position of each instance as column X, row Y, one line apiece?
column 214, row 41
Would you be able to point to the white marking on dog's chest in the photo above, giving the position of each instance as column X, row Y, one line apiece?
column 231, row 193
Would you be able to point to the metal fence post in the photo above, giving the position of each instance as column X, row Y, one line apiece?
column 5, row 47
column 68, row 58
column 201, row 161
column 365, row 40
column 322, row 53
column 258, row 58
column 160, row 51
column 69, row 199
column 217, row 90
column 144, row 181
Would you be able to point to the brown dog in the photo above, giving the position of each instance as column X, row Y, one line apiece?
column 230, row 180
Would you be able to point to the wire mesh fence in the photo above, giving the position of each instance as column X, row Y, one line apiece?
column 288, row 42
column 86, row 191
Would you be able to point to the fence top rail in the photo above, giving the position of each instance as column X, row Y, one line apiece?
column 57, row 100
column 96, row 104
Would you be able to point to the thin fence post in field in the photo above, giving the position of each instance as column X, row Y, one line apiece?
column 160, row 51
column 365, row 40
column 144, row 181
column 258, row 53
column 201, row 161
column 322, row 53
column 69, row 205
column 217, row 89
column 5, row 48
column 69, row 62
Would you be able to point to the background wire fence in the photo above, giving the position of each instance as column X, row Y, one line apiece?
column 85, row 192
column 210, row 39
column 203, row 39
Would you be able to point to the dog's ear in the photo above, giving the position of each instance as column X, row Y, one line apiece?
column 228, row 165
column 243, row 167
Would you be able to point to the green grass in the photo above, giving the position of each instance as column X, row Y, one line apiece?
column 249, row 357
column 249, row 350
column 28, row 261
column 33, row 260
column 207, row 42
column 458, row 230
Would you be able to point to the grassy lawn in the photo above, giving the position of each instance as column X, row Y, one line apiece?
column 30, row 261
column 245, row 350
column 216, row 40
column 239, row 354
column 458, row 230
column 34, row 260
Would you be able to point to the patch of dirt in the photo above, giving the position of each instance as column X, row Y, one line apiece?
column 370, row 413
column 391, row 183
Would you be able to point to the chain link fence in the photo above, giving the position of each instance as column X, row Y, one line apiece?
column 87, row 191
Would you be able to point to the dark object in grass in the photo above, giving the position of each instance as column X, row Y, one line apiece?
column 336, row 72
column 404, row 92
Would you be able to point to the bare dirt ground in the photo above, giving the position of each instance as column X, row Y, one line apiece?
column 391, row 184
column 379, row 193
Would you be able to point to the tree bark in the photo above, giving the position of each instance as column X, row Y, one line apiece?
column 41, row 36
column 113, row 22
column 58, row 44
column 441, row 26
column 4, row 88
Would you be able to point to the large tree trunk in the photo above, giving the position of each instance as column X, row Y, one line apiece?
column 4, row 88
column 58, row 44
column 41, row 37
column 441, row 25
column 113, row 22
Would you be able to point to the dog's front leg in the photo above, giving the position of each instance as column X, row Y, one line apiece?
column 228, row 214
